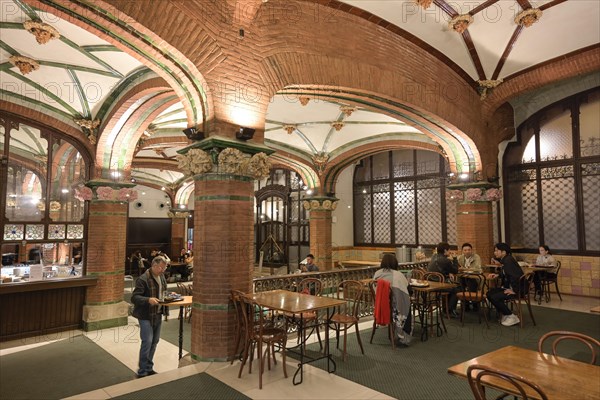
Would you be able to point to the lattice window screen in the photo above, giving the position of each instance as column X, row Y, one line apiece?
column 429, row 209
column 381, row 218
column 362, row 212
column 451, row 222
column 591, row 205
column 404, row 208
column 523, row 218
column 560, row 213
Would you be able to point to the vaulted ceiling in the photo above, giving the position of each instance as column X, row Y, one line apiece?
column 80, row 76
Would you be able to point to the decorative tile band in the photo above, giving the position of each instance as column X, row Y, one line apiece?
column 118, row 272
column 200, row 358
column 211, row 307
column 223, row 177
column 474, row 212
column 106, row 214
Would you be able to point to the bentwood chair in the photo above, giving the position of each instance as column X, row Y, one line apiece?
column 559, row 336
column 439, row 277
column 476, row 373
column 240, row 327
column 346, row 315
column 549, row 278
column 258, row 332
column 523, row 296
column 478, row 282
column 390, row 322
column 310, row 320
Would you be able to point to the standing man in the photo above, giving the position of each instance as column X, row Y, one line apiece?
column 146, row 296
column 310, row 266
column 511, row 274
column 468, row 259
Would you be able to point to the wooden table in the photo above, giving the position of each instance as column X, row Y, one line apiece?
column 300, row 303
column 559, row 378
column 436, row 288
column 187, row 301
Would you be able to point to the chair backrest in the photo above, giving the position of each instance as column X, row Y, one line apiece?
column 525, row 285
column 373, row 291
column 238, row 306
column 474, row 277
column 417, row 273
column 476, row 372
column 559, row 336
column 310, row 286
column 351, row 292
column 434, row 277
column 557, row 268
column 181, row 289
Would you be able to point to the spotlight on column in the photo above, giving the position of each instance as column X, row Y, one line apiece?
column 245, row 133
column 193, row 133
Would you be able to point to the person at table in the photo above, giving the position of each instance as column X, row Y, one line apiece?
column 182, row 255
column 545, row 259
column 440, row 262
column 510, row 274
column 469, row 260
column 310, row 264
column 401, row 298
column 149, row 288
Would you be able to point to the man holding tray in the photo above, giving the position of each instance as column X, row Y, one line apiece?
column 146, row 299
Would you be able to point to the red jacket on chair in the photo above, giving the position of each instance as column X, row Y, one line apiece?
column 382, row 303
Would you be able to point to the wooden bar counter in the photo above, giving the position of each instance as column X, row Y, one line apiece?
column 42, row 307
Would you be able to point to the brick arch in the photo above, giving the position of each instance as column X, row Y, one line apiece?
column 112, row 156
column 337, row 165
column 128, row 35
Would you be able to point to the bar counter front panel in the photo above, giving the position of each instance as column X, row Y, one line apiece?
column 42, row 307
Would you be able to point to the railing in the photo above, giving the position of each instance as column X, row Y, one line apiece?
column 330, row 281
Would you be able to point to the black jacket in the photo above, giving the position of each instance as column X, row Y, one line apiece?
column 146, row 287
column 441, row 263
column 511, row 273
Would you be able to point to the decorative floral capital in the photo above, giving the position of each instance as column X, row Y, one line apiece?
column 43, row 32
column 54, row 205
column 474, row 194
column 486, row 85
column 107, row 193
column 258, row 166
column 304, row 100
column 424, row 3
column 289, row 129
column 25, row 64
column 178, row 214
column 83, row 193
column 460, row 23
column 337, row 125
column 528, row 17
column 348, row 110
column 89, row 127
column 195, row 161
column 454, row 196
column 493, row 194
column 322, row 204
column 320, row 161
column 230, row 160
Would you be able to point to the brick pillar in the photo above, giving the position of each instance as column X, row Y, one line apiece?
column 321, row 230
column 224, row 171
column 474, row 225
column 178, row 231
column 223, row 259
column 105, row 259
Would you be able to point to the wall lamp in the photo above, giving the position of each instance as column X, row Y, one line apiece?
column 193, row 133
column 245, row 133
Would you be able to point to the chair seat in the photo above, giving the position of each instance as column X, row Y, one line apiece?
column 344, row 319
column 307, row 316
column 470, row 296
column 270, row 334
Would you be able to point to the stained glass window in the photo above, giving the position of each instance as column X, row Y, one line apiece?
column 56, row 231
column 34, row 232
column 13, row 232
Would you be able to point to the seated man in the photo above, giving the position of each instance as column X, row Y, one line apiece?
column 442, row 264
column 469, row 260
column 510, row 274
column 401, row 298
column 310, row 266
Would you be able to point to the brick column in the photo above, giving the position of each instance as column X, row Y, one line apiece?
column 321, row 240
column 105, row 258
column 474, row 215
column 224, row 172
column 178, row 231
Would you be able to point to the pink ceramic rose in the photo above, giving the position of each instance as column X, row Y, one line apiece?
column 454, row 195
column 105, row 193
column 473, row 194
column 126, row 194
column 493, row 194
column 83, row 193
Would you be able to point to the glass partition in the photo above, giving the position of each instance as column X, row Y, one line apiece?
column 67, row 172
column 26, row 181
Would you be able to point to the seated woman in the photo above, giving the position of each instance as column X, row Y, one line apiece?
column 401, row 299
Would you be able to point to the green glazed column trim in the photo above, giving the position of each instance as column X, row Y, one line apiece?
column 211, row 307
column 223, row 197
column 474, row 212
column 196, row 357
column 222, row 177
column 104, row 324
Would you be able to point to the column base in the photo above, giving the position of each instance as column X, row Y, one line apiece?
column 97, row 317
